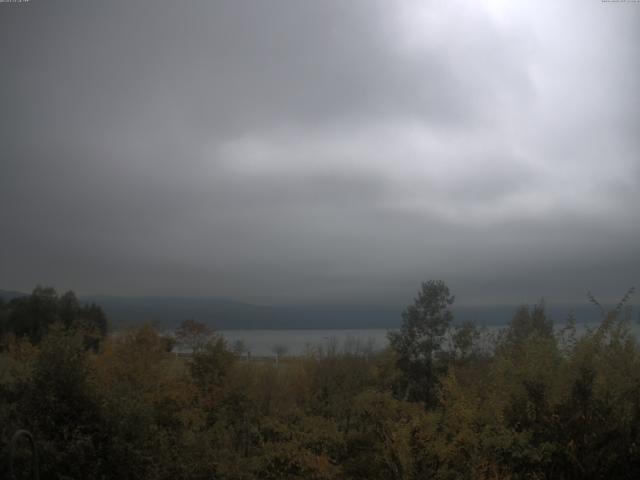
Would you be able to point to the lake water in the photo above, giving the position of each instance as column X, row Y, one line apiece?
column 297, row 342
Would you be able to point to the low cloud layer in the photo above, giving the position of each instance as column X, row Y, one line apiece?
column 321, row 152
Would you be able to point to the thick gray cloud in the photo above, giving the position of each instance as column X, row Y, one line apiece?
column 325, row 152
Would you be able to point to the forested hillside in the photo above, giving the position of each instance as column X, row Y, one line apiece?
column 442, row 402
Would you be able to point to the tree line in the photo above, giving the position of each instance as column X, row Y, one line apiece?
column 443, row 401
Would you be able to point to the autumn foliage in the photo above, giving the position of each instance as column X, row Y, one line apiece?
column 535, row 401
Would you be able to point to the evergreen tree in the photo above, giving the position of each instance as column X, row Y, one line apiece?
column 424, row 325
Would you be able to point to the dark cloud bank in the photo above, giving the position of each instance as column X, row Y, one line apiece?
column 326, row 153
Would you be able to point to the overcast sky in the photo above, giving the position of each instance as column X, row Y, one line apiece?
column 288, row 152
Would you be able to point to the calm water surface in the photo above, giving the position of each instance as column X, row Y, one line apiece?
column 297, row 342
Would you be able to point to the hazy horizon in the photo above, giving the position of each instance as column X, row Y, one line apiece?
column 228, row 314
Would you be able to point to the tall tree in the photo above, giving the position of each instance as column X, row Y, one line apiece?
column 526, row 322
column 424, row 325
column 193, row 335
column 32, row 316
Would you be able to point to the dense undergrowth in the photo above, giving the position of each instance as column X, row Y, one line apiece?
column 533, row 402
